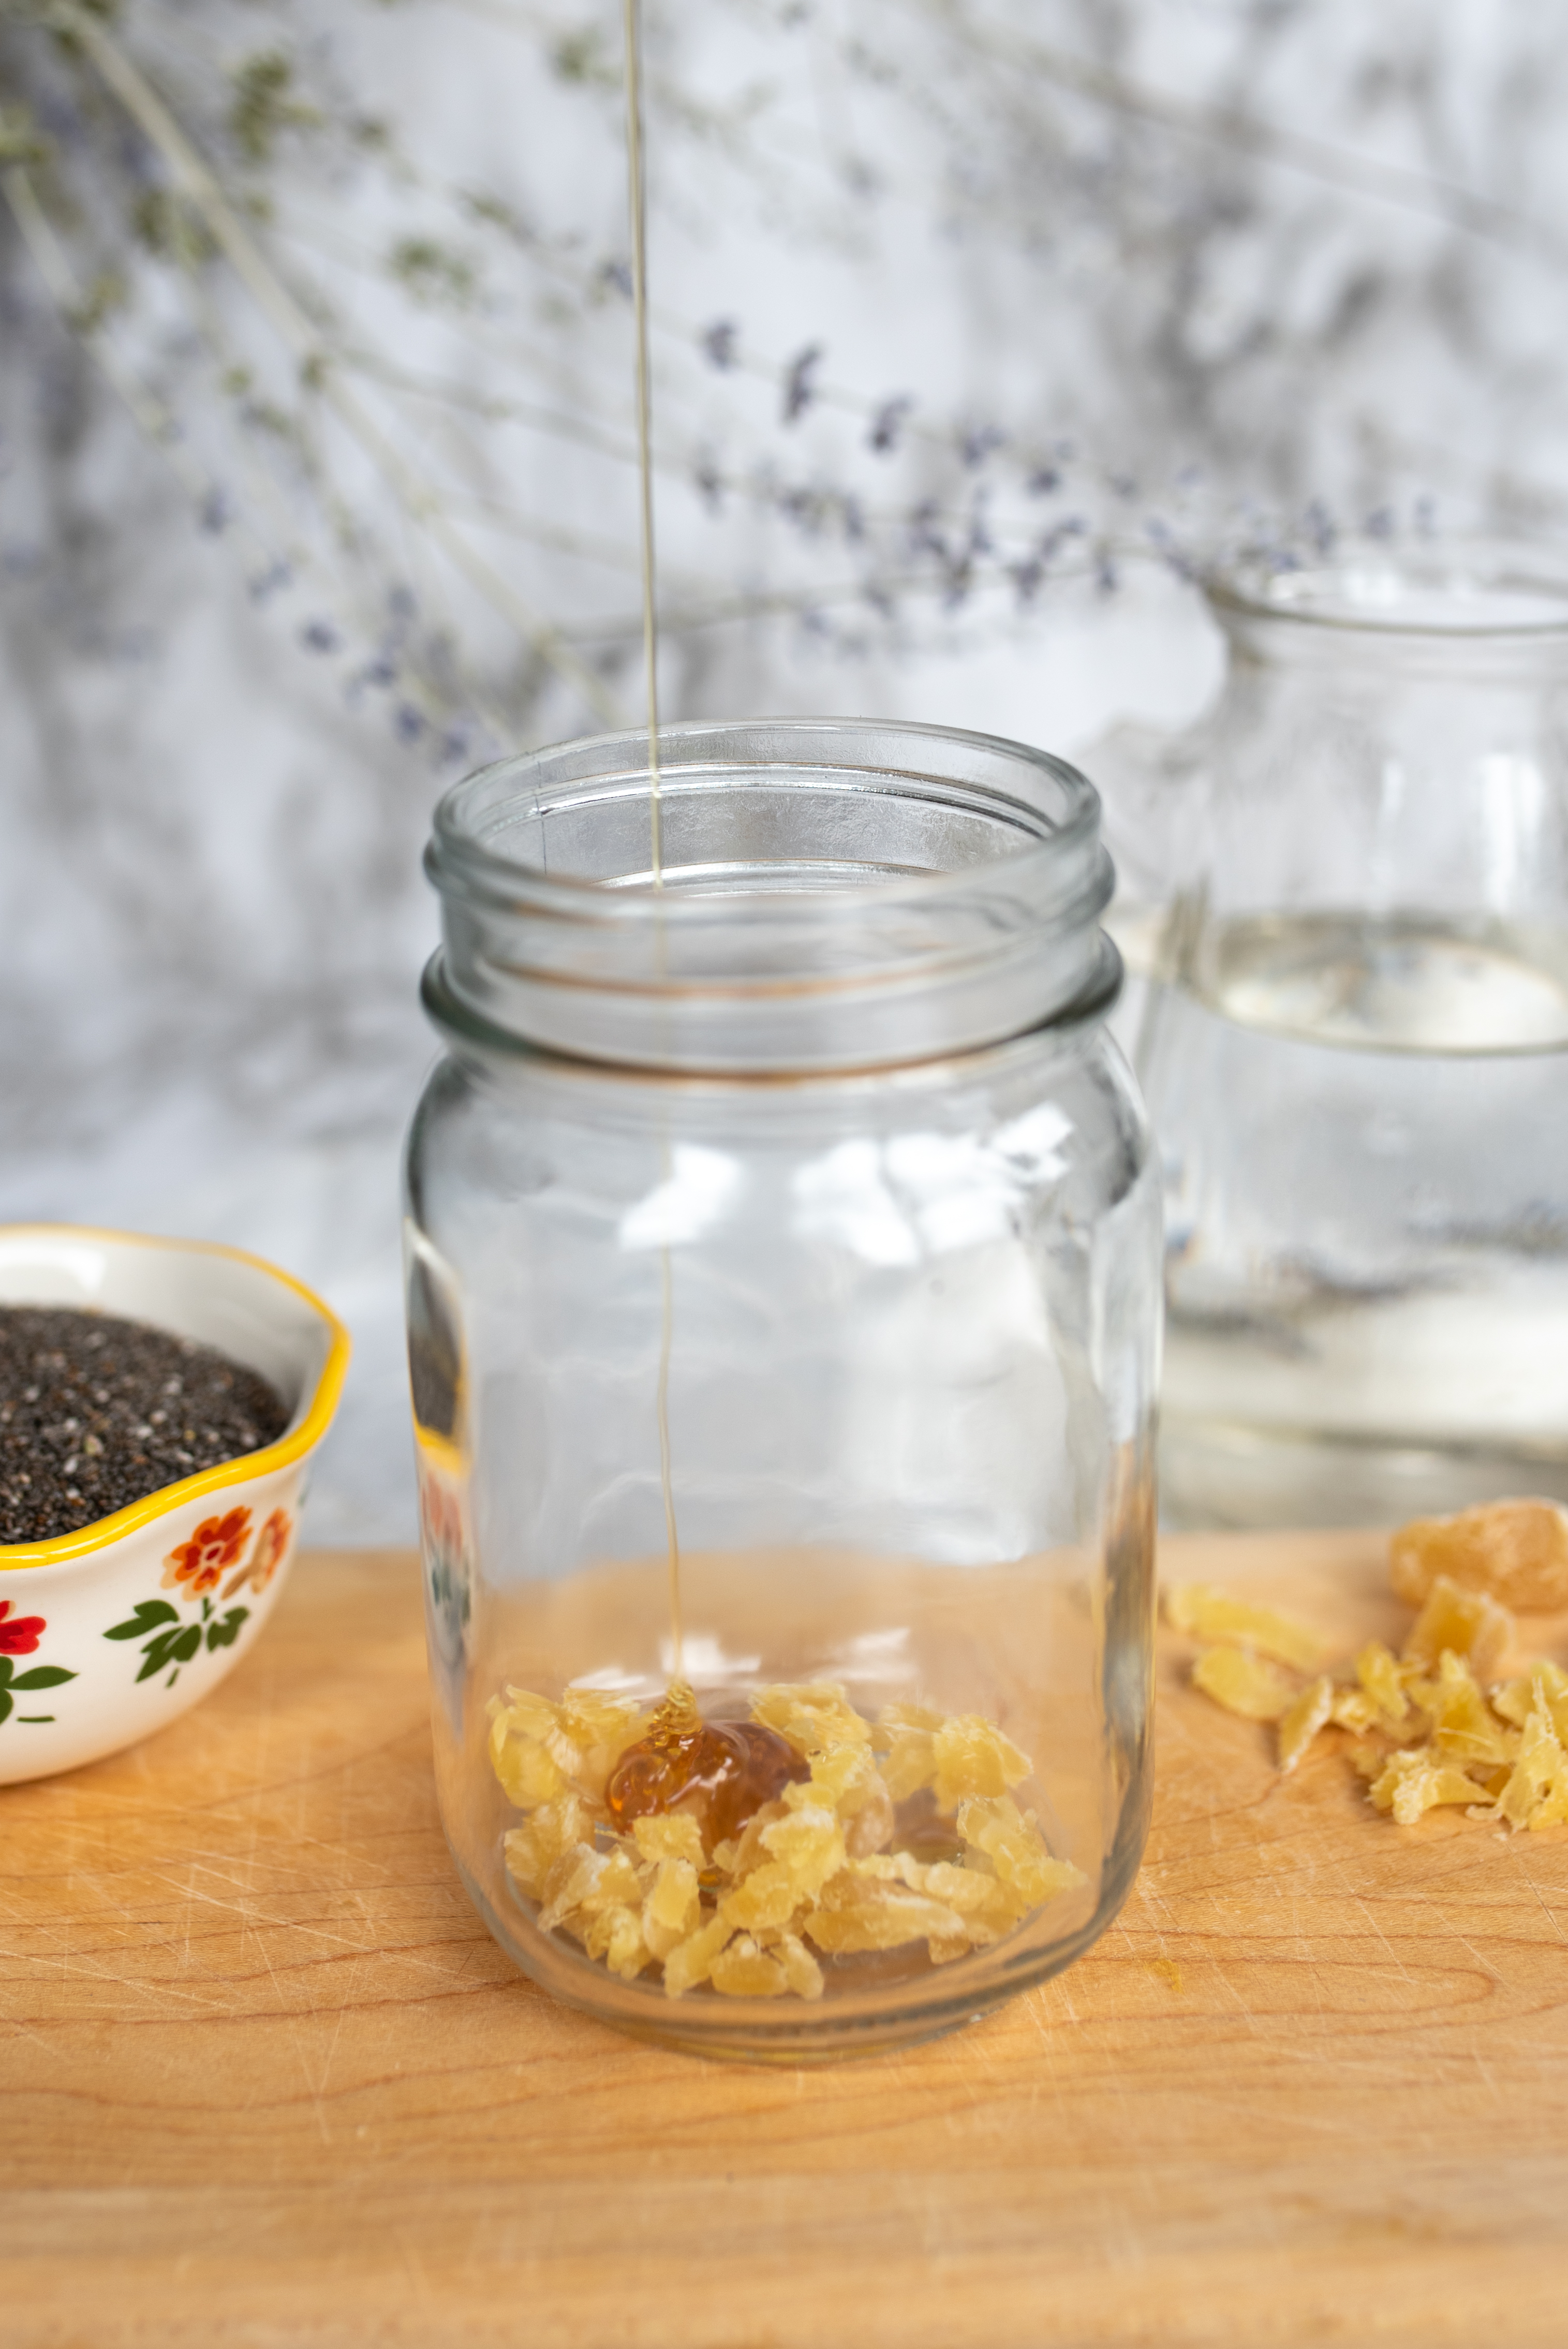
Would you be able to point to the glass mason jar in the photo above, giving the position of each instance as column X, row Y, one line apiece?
column 1355, row 1058
column 783, row 1293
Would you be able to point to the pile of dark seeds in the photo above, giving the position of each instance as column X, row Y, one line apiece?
column 97, row 1412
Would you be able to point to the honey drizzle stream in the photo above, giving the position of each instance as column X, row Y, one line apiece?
column 636, row 178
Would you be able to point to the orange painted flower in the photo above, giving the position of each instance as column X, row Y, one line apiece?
column 271, row 1547
column 198, row 1564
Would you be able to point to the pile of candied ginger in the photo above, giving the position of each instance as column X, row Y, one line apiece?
column 1442, row 1721
column 819, row 1871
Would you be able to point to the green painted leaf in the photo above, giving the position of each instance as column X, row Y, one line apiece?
column 184, row 1645
column 148, row 1613
column 35, row 1717
column 157, row 1654
column 5, row 1701
column 6, row 1671
column 225, row 1634
column 43, row 1676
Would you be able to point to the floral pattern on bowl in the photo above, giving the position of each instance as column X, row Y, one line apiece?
column 178, row 1585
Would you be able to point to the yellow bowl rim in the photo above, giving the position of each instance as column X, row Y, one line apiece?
column 105, row 1531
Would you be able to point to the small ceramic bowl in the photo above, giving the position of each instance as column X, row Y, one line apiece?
column 112, row 1632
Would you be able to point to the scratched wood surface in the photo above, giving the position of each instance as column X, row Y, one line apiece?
column 264, row 2080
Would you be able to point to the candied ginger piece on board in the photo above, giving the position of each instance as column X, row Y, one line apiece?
column 1368, row 1757
column 1543, row 1689
column 1415, row 1781
column 1464, row 1728
column 1354, row 1710
column 1539, row 1776
column 1243, row 1683
column 813, row 1715
column 1300, row 1722
column 1205, row 1613
column 974, row 1757
column 1377, row 1670
column 1467, row 1622
column 1516, row 1551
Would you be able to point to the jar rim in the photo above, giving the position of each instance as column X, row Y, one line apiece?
column 456, row 853
column 1463, row 588
column 833, row 891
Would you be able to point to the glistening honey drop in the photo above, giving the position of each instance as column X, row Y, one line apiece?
column 720, row 1773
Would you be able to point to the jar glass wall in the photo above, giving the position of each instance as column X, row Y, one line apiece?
column 812, row 1173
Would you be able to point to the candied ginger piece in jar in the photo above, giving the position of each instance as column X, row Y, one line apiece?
column 597, row 1728
column 814, row 1715
column 769, row 1896
column 539, row 1750
column 1300, row 1723
column 691, row 1960
column 672, row 1907
column 846, row 1778
column 1467, row 1622
column 615, row 1934
column 906, row 1735
column 974, row 1757
column 1516, row 1551
column 675, row 1835
column 743, row 1971
column 1243, row 1683
column 1013, row 1844
column 569, row 1883
column 801, row 1972
column 988, row 1908
column 1463, row 1726
column 1415, row 1781
column 621, row 1882
column 521, row 1760
column 1205, row 1613
column 872, row 1914
column 533, row 1848
column 809, row 1842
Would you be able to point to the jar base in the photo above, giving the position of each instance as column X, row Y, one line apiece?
column 819, row 2035
column 1227, row 1476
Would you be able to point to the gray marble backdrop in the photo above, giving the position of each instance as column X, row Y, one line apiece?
column 1240, row 266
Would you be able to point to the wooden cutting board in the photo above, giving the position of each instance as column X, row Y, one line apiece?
column 263, row 2078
